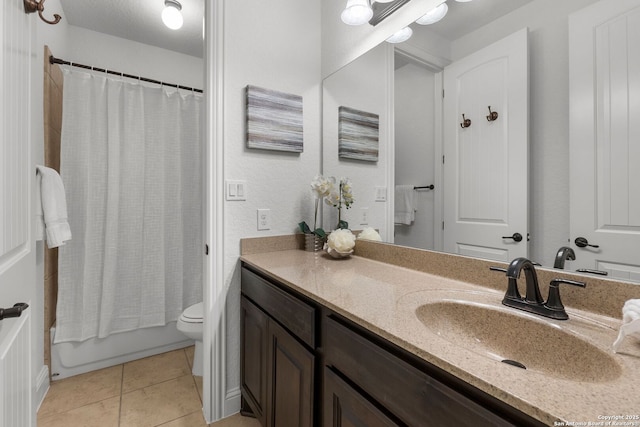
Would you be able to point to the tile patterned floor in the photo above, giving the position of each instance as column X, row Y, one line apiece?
column 150, row 392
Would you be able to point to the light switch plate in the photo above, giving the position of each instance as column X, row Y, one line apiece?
column 381, row 194
column 235, row 190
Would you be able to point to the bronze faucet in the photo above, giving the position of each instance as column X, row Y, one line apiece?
column 533, row 302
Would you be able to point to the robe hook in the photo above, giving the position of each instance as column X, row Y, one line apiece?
column 465, row 122
column 493, row 115
column 32, row 6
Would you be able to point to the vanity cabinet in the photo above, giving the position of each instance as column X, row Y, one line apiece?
column 362, row 379
column 277, row 354
column 344, row 406
column 403, row 391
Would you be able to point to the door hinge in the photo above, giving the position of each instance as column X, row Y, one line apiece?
column 206, row 249
column 443, row 93
column 443, row 160
column 443, row 225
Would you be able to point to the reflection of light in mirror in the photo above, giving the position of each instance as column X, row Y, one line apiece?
column 401, row 35
column 434, row 15
column 357, row 12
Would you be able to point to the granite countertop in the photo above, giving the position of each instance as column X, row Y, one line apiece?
column 385, row 299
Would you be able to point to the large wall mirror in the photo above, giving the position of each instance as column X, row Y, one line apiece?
column 407, row 81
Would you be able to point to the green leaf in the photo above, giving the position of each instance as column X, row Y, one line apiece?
column 320, row 233
column 304, row 228
column 343, row 225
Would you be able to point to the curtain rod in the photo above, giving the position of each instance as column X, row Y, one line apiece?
column 54, row 60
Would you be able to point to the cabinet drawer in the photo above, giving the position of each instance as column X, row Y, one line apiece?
column 409, row 393
column 343, row 406
column 295, row 315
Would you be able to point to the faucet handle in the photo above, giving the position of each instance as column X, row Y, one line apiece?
column 554, row 302
column 512, row 287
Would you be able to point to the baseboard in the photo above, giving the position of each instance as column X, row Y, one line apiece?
column 42, row 385
column 232, row 402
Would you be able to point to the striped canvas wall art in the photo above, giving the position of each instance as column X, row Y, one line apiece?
column 358, row 133
column 274, row 120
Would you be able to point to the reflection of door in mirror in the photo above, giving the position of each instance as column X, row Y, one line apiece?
column 415, row 138
column 605, row 138
column 486, row 156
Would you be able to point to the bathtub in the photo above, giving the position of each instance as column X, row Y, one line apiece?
column 73, row 358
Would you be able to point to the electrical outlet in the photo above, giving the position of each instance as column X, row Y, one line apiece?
column 264, row 219
column 364, row 216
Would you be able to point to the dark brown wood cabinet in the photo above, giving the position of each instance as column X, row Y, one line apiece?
column 362, row 379
column 290, row 380
column 253, row 356
column 277, row 364
column 343, row 406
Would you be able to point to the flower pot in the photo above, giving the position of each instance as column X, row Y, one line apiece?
column 312, row 243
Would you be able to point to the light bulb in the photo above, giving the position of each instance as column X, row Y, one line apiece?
column 171, row 15
column 401, row 35
column 357, row 12
column 434, row 15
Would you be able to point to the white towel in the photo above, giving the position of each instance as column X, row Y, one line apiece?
column 630, row 321
column 405, row 208
column 51, row 208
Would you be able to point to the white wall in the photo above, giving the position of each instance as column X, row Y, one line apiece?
column 275, row 46
column 547, row 21
column 364, row 84
column 415, row 149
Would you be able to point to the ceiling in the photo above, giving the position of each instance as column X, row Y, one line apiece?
column 139, row 20
column 464, row 18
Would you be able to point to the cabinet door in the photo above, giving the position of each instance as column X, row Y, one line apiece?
column 345, row 407
column 290, row 380
column 253, row 356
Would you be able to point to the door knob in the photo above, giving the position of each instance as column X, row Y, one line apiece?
column 517, row 237
column 581, row 242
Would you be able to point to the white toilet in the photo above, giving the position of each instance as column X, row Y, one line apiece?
column 190, row 324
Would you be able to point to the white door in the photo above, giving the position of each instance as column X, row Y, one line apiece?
column 486, row 199
column 605, row 136
column 17, row 258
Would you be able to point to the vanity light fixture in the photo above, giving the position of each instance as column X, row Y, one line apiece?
column 400, row 35
column 357, row 12
column 171, row 15
column 463, row 1
column 434, row 15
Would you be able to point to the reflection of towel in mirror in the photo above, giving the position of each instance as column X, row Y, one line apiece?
column 405, row 209
column 51, row 208
column 630, row 321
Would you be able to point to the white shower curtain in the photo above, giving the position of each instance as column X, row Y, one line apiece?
column 131, row 163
